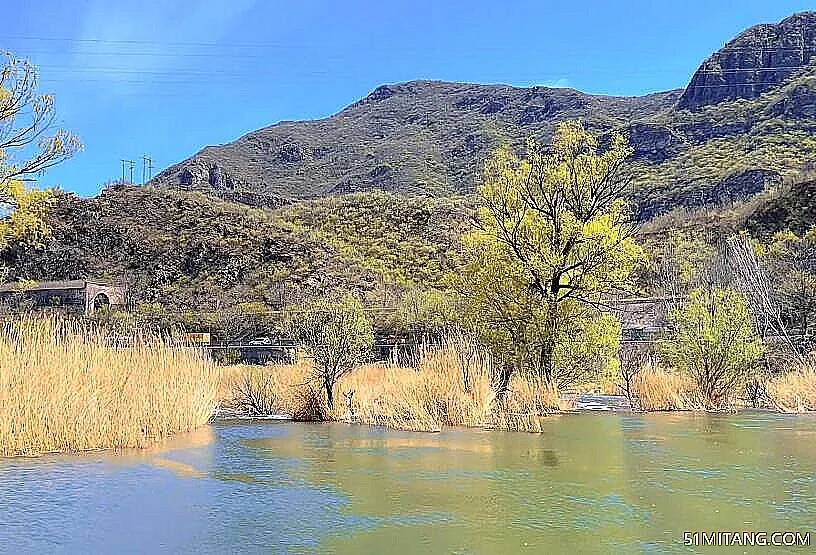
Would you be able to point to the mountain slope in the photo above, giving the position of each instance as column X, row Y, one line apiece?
column 192, row 252
column 422, row 137
column 719, row 139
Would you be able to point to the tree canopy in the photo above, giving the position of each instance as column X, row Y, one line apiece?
column 553, row 240
column 29, row 144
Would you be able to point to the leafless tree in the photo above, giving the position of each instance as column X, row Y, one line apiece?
column 27, row 124
column 750, row 277
column 338, row 336
column 633, row 358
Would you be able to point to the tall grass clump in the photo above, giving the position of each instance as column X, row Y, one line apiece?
column 444, row 388
column 452, row 384
column 794, row 391
column 67, row 386
column 657, row 389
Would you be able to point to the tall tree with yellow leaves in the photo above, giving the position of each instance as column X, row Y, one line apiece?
column 553, row 241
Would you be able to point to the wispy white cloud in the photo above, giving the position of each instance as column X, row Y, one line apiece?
column 560, row 83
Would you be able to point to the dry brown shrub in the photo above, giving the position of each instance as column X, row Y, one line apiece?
column 275, row 389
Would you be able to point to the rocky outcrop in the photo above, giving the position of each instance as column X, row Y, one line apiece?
column 655, row 143
column 798, row 103
column 756, row 61
column 734, row 188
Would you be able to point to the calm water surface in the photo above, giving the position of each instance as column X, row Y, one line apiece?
column 591, row 483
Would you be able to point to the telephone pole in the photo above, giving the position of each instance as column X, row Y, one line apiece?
column 127, row 163
column 147, row 169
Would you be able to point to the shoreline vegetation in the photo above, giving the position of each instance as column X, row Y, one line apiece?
column 66, row 386
column 433, row 394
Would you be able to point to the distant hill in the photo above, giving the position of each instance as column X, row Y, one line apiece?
column 743, row 123
column 191, row 252
column 420, row 138
column 371, row 199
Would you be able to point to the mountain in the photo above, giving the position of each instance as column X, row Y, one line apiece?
column 421, row 138
column 371, row 199
column 743, row 123
column 755, row 62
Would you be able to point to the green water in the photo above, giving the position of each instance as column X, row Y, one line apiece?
column 590, row 483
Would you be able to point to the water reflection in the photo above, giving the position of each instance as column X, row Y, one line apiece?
column 589, row 483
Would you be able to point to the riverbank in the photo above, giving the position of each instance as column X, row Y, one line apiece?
column 441, row 391
column 69, row 387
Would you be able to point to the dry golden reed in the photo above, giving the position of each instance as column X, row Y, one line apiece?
column 68, row 387
column 442, row 390
column 657, row 389
column 794, row 391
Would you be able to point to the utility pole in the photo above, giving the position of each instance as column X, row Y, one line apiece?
column 126, row 164
column 147, row 169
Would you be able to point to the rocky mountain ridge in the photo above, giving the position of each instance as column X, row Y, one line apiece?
column 722, row 138
column 755, row 62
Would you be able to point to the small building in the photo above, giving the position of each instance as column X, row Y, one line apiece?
column 81, row 295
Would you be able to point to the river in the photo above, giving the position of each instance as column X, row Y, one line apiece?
column 590, row 483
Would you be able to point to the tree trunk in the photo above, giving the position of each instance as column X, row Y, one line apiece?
column 546, row 354
column 546, row 361
column 329, row 385
column 502, row 381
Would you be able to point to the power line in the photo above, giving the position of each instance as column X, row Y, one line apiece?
column 149, row 42
column 268, row 44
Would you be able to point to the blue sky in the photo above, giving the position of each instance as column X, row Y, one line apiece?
column 167, row 77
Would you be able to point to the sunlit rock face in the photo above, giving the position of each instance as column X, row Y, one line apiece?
column 756, row 61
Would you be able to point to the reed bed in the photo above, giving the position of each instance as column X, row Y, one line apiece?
column 442, row 390
column 794, row 391
column 657, row 389
column 65, row 386
column 277, row 389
